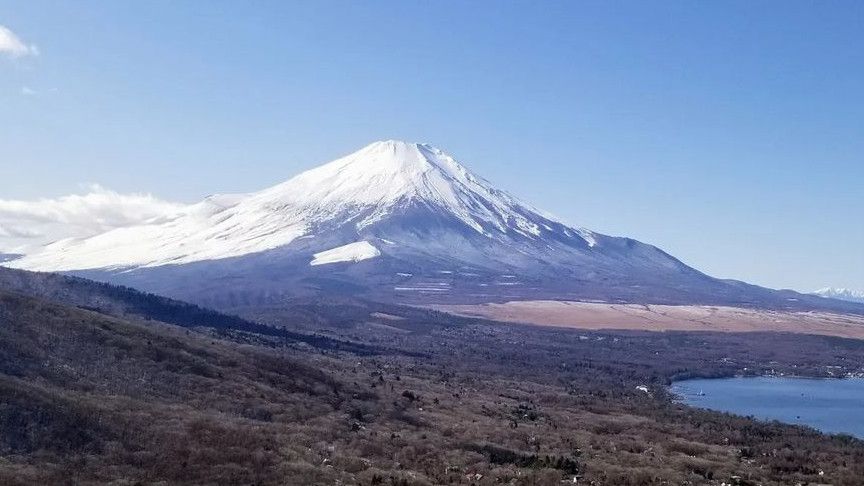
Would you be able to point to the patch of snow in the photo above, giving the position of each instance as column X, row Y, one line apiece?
column 352, row 252
column 422, row 289
column 589, row 238
column 8, row 257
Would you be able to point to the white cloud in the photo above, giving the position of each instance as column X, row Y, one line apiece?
column 27, row 225
column 28, row 91
column 12, row 45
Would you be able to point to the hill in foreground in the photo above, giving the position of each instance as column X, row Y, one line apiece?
column 98, row 396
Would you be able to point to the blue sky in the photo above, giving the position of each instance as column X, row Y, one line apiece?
column 730, row 134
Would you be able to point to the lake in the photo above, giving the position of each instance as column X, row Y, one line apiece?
column 830, row 405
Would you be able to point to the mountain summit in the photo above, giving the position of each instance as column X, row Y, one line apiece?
column 385, row 176
column 393, row 221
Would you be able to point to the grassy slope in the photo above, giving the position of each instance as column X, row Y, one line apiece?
column 97, row 397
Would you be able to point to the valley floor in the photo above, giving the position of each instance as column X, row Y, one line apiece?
column 598, row 315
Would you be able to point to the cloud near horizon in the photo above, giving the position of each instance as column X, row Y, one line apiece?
column 11, row 45
column 27, row 225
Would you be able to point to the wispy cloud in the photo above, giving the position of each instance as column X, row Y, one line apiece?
column 11, row 45
column 25, row 225
column 28, row 91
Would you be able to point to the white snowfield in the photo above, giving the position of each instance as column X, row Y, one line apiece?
column 360, row 189
column 352, row 252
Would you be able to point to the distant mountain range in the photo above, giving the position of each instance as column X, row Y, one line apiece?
column 394, row 221
column 842, row 294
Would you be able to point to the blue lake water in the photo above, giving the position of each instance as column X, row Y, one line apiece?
column 832, row 406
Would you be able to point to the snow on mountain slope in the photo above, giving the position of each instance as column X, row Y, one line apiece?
column 352, row 252
column 360, row 189
column 218, row 227
column 841, row 294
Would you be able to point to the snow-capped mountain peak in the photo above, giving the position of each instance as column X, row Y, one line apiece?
column 358, row 191
column 841, row 294
column 378, row 173
column 386, row 175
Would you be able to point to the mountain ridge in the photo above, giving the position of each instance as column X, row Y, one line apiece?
column 849, row 295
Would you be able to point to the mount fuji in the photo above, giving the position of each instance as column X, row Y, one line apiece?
column 394, row 221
